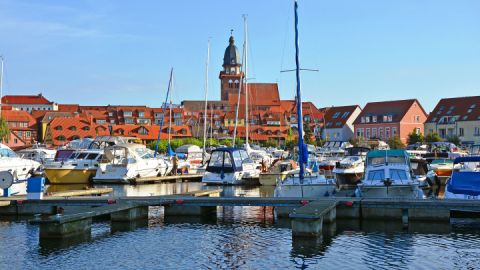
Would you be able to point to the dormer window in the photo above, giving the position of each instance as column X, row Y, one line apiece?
column 374, row 119
column 73, row 128
column 230, row 84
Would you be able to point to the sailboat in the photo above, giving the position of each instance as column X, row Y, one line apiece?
column 301, row 184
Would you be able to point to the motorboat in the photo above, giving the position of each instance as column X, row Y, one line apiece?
column 78, row 168
column 422, row 172
column 313, row 185
column 230, row 166
column 350, row 170
column 39, row 153
column 191, row 158
column 14, row 171
column 124, row 163
column 448, row 148
column 465, row 181
column 388, row 175
column 278, row 172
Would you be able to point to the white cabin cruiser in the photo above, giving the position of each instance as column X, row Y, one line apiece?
column 350, row 170
column 127, row 162
column 39, row 153
column 230, row 166
column 388, row 174
column 14, row 171
column 313, row 185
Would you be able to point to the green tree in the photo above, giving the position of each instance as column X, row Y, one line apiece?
column 226, row 142
column 270, row 143
column 356, row 141
column 415, row 137
column 4, row 130
column 454, row 139
column 308, row 134
column 395, row 143
column 433, row 137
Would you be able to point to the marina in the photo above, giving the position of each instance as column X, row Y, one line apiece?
column 311, row 169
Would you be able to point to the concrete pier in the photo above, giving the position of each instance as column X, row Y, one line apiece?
column 65, row 229
column 307, row 221
column 134, row 213
column 190, row 211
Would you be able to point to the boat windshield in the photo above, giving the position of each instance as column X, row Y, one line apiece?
column 237, row 158
column 4, row 152
column 396, row 174
column 217, row 159
column 376, row 175
column 81, row 156
column 389, row 159
column 442, row 161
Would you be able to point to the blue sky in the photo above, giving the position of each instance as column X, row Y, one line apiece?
column 100, row 52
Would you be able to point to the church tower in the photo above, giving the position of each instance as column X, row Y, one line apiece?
column 231, row 75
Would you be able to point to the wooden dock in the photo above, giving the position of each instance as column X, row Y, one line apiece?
column 171, row 178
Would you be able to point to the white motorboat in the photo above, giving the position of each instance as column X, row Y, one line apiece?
column 230, row 166
column 39, row 153
column 127, row 162
column 14, row 171
column 388, row 174
column 313, row 185
column 350, row 170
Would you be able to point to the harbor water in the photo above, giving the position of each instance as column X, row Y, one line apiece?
column 240, row 238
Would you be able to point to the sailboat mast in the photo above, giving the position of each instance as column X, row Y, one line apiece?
column 245, row 77
column 170, row 120
column 164, row 111
column 206, row 105
column 240, row 85
column 1, row 84
column 299, row 100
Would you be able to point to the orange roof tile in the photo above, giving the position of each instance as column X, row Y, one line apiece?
column 25, row 99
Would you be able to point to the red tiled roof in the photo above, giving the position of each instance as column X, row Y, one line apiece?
column 133, row 130
column 18, row 116
column 466, row 108
column 83, row 129
column 341, row 117
column 68, row 107
column 396, row 108
column 25, row 99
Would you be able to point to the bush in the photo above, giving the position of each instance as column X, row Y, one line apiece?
column 433, row 137
column 395, row 143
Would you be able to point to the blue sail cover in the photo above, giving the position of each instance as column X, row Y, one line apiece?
column 170, row 152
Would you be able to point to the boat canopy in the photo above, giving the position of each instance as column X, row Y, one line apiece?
column 464, row 182
column 467, row 159
column 389, row 153
column 227, row 160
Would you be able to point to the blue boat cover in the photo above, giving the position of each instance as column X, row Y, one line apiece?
column 467, row 159
column 466, row 182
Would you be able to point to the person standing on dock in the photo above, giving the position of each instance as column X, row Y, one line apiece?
column 175, row 164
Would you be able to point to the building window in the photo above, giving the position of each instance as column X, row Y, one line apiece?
column 237, row 84
column 443, row 132
column 110, row 114
column 374, row 133
column 86, row 128
column 20, row 134
column 476, row 132
column 461, row 132
column 367, row 119
column 58, row 128
column 127, row 114
column 61, row 138
column 230, row 84
column 417, row 130
column 72, row 128
column 394, row 131
column 336, row 115
column 362, row 119
column 367, row 133
column 374, row 119
column 141, row 114
column 28, row 134
column 178, row 122
column 345, row 114
column 387, row 132
column 380, row 132
column 385, row 118
column 359, row 132
column 390, row 118
column 128, row 121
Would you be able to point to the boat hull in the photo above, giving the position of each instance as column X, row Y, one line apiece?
column 393, row 191
column 305, row 191
column 270, row 179
column 348, row 179
column 69, row 176
column 18, row 188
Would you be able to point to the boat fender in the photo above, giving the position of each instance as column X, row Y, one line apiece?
column 179, row 201
column 110, row 201
column 304, row 202
column 349, row 204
